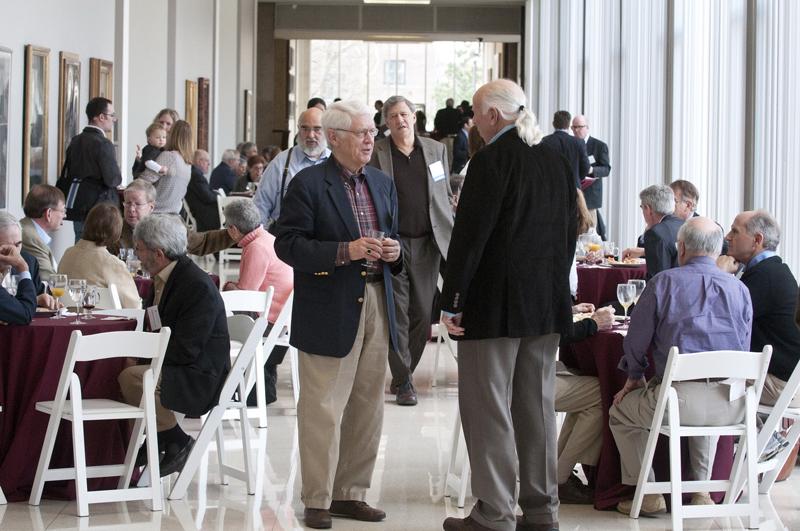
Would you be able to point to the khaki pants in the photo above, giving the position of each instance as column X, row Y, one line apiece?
column 701, row 404
column 773, row 387
column 581, row 437
column 131, row 383
column 340, row 410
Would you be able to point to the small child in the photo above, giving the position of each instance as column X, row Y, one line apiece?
column 156, row 140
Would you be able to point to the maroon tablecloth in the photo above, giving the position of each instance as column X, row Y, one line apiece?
column 30, row 366
column 599, row 356
column 598, row 284
column 145, row 285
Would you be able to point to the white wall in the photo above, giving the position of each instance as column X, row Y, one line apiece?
column 230, row 120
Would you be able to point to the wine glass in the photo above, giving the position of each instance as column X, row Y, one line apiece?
column 77, row 289
column 90, row 300
column 133, row 263
column 58, row 286
column 625, row 295
column 640, row 283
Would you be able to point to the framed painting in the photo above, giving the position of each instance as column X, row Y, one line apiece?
column 202, row 112
column 190, row 110
column 5, row 93
column 101, row 84
column 69, row 100
column 35, row 117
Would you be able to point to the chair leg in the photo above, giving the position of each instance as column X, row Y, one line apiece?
column 249, row 469
column 675, row 463
column 465, row 475
column 44, row 458
column 451, row 466
column 149, row 393
column 439, row 339
column 295, row 374
column 199, row 451
column 644, row 472
column 261, row 394
column 130, row 455
column 79, row 453
column 752, row 461
column 223, row 480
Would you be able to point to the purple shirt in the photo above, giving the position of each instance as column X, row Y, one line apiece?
column 696, row 307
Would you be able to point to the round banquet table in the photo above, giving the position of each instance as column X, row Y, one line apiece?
column 30, row 367
column 599, row 356
column 598, row 284
column 145, row 286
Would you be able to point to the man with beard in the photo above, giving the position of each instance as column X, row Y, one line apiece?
column 311, row 149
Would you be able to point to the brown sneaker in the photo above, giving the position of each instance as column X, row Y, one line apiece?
column 358, row 510
column 652, row 504
column 463, row 524
column 317, row 518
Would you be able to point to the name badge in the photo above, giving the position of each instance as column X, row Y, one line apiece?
column 437, row 171
column 591, row 159
column 153, row 318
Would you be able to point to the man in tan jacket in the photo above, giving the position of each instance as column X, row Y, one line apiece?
column 44, row 214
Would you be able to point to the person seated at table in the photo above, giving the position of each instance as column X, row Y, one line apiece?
column 11, row 234
column 44, row 210
column 89, row 259
column 197, row 359
column 658, row 241
column 696, row 308
column 259, row 268
column 140, row 201
column 202, row 200
column 577, row 395
column 20, row 307
column 255, row 167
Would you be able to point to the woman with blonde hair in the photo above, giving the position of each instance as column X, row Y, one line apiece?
column 167, row 118
column 172, row 179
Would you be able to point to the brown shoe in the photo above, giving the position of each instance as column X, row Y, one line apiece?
column 358, row 510
column 406, row 395
column 463, row 524
column 523, row 525
column 317, row 518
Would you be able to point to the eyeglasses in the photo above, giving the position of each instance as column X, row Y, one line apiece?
column 59, row 210
column 578, row 127
column 306, row 129
column 135, row 206
column 361, row 133
column 111, row 115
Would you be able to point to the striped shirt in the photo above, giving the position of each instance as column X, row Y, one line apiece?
column 355, row 184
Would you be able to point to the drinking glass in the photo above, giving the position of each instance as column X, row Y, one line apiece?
column 625, row 294
column 90, row 300
column 77, row 289
column 58, row 286
column 133, row 263
column 640, row 283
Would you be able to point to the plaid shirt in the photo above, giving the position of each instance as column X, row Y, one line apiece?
column 355, row 184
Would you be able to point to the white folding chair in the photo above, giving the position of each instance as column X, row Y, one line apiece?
column 748, row 366
column 770, row 469
column 279, row 336
column 234, row 253
column 251, row 301
column 109, row 298
column 191, row 223
column 78, row 410
column 3, row 500
column 130, row 313
column 233, row 396
column 442, row 337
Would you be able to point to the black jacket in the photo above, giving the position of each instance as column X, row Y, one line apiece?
column 660, row 251
column 602, row 167
column 198, row 354
column 18, row 309
column 446, row 121
column 460, row 151
column 91, row 159
column 573, row 150
column 513, row 243
column 202, row 201
column 773, row 290
column 223, row 177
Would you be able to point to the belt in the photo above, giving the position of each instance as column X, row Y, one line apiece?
column 378, row 277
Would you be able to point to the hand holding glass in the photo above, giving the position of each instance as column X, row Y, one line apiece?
column 625, row 295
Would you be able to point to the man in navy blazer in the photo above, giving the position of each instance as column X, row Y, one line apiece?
column 658, row 242
column 571, row 148
column 343, row 315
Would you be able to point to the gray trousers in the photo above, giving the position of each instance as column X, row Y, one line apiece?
column 414, row 289
column 506, row 390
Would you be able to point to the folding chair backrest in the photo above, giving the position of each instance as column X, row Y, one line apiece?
column 247, row 301
column 283, row 321
column 109, row 298
column 239, row 327
column 244, row 359
column 718, row 364
column 130, row 313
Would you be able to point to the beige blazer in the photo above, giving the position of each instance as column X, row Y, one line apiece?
column 33, row 245
column 440, row 194
column 93, row 262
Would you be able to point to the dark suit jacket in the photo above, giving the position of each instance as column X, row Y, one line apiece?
column 92, row 158
column 460, row 151
column 198, row 353
column 513, row 243
column 202, row 201
column 33, row 268
column 602, row 167
column 18, row 309
column 773, row 290
column 573, row 150
column 223, row 177
column 446, row 121
column 660, row 252
column 316, row 216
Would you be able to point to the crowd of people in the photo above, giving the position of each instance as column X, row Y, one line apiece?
column 358, row 219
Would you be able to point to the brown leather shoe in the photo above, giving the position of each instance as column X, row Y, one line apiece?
column 317, row 518
column 358, row 510
column 463, row 524
column 523, row 525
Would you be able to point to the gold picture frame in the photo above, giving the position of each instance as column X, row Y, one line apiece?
column 69, row 100
column 35, row 117
column 190, row 110
column 101, row 84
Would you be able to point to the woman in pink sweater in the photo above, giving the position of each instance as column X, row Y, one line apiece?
column 259, row 268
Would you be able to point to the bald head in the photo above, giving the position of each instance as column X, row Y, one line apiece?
column 699, row 237
column 580, row 127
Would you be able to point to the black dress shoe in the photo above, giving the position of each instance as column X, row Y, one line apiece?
column 523, row 525
column 141, row 457
column 317, row 518
column 573, row 491
column 175, row 458
column 358, row 510
column 406, row 395
column 463, row 524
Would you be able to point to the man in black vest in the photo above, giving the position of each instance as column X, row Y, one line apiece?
column 91, row 174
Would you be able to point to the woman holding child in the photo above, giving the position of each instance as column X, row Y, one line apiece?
column 172, row 178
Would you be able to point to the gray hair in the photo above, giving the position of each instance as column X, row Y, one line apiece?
column 509, row 100
column 7, row 220
column 340, row 115
column 396, row 100
column 698, row 240
column 140, row 185
column 162, row 231
column 242, row 214
column 660, row 198
column 762, row 222
column 230, row 154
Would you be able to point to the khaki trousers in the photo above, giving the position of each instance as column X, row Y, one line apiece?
column 340, row 410
column 131, row 383
column 773, row 387
column 581, row 437
column 701, row 404
column 506, row 389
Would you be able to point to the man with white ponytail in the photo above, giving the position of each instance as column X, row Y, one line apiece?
column 573, row 149
column 506, row 299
